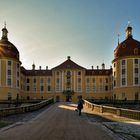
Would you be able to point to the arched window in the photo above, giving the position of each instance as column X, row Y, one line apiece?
column 57, row 73
column 79, row 72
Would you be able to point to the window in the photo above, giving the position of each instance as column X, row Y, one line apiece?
column 123, row 81
column 34, row 80
column 101, row 88
column 9, row 96
column 9, row 82
column 49, row 81
column 100, row 80
column 136, row 51
column 93, row 80
column 106, row 88
column 17, row 83
column 17, row 74
column 68, row 73
column 9, row 72
column 136, row 61
column 114, row 65
column 123, row 95
column 136, row 96
column 123, row 71
column 79, row 88
column 114, row 83
column 106, row 80
column 49, row 88
column 79, row 72
column 57, row 80
column 18, row 66
column 136, row 70
column 114, row 74
column 28, row 80
column 41, row 80
column 94, row 88
column 79, row 80
column 9, row 63
column 28, row 88
column 136, row 81
column 87, row 80
column 34, row 88
column 57, row 73
column 42, row 88
column 87, row 88
column 123, row 62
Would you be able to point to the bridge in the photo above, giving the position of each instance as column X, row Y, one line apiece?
column 59, row 121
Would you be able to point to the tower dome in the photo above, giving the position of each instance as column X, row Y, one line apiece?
column 7, row 49
column 129, row 47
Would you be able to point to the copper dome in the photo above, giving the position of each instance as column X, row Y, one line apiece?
column 129, row 47
column 7, row 49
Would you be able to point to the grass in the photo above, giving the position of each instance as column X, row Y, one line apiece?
column 3, row 124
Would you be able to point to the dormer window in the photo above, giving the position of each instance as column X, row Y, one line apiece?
column 136, row 51
column 124, row 45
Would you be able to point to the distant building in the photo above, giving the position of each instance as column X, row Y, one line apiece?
column 68, row 80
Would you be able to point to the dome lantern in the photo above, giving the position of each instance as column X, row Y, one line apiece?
column 4, row 32
column 128, row 31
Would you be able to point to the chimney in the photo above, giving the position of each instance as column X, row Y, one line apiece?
column 92, row 67
column 103, row 66
column 39, row 67
column 68, row 57
column 46, row 67
column 33, row 66
column 97, row 67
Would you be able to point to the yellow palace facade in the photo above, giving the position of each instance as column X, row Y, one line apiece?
column 69, row 80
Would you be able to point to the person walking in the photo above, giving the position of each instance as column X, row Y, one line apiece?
column 80, row 105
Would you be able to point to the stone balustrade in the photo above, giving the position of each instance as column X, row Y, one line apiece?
column 132, row 114
column 27, row 108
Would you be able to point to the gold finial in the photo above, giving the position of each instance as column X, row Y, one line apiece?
column 129, row 23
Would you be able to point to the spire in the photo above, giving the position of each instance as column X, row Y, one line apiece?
column 118, row 39
column 4, row 24
column 128, row 31
column 4, row 32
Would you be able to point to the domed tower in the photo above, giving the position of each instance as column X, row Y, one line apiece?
column 9, row 68
column 126, row 68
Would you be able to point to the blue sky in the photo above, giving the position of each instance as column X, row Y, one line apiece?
column 47, row 31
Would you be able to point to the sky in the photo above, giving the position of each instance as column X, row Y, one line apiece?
column 47, row 31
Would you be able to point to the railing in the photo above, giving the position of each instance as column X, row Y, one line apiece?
column 133, row 114
column 27, row 108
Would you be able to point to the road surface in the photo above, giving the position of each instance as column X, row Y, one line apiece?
column 58, row 122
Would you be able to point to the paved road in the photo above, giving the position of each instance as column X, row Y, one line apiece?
column 58, row 122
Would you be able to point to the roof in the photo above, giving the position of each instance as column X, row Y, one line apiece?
column 36, row 72
column 129, row 47
column 68, row 64
column 7, row 49
column 102, row 72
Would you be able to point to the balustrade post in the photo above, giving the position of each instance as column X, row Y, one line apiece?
column 118, row 112
column 101, row 109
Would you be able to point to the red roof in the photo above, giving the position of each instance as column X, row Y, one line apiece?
column 129, row 47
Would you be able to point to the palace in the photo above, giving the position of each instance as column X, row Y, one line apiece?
column 68, row 80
